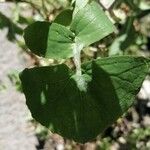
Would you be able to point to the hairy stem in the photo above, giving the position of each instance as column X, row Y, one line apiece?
column 77, row 59
column 80, row 80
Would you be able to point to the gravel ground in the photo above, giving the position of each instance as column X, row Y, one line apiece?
column 16, row 133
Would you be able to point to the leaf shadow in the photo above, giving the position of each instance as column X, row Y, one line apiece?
column 103, row 90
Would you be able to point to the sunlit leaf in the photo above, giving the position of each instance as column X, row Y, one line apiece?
column 91, row 24
column 79, row 4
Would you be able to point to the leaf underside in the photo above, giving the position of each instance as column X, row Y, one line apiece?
column 56, row 101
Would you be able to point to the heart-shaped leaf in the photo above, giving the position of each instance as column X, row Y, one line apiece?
column 56, row 100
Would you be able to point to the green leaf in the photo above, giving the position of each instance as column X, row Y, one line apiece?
column 64, row 18
column 115, row 48
column 126, row 38
column 60, row 42
column 91, row 24
column 130, row 32
column 57, row 100
column 79, row 4
column 57, row 41
column 50, row 41
column 36, row 36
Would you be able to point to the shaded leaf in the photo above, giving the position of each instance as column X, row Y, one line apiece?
column 64, row 18
column 36, row 36
column 130, row 32
column 126, row 38
column 56, row 101
column 115, row 47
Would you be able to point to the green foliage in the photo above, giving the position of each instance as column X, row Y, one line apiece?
column 64, row 18
column 14, row 78
column 138, row 135
column 59, row 42
column 91, row 24
column 104, row 144
column 126, row 38
column 83, row 103
column 79, row 4
column 60, row 104
column 130, row 31
column 34, row 34
column 2, row 87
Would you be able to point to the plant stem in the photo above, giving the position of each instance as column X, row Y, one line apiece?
column 77, row 60
column 80, row 80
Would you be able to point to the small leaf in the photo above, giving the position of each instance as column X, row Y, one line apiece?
column 57, row 101
column 60, row 42
column 126, row 38
column 91, row 24
column 50, row 41
column 35, row 36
